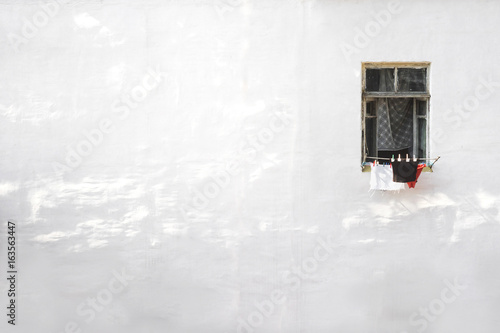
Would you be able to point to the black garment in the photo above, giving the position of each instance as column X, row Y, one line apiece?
column 404, row 172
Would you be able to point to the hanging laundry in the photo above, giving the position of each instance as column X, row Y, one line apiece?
column 419, row 170
column 404, row 172
column 381, row 179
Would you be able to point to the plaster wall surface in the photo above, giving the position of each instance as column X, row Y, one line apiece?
column 210, row 151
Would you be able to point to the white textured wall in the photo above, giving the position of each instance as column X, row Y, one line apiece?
column 263, row 96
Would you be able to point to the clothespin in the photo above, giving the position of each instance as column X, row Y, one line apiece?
column 414, row 158
column 407, row 158
column 392, row 158
column 399, row 157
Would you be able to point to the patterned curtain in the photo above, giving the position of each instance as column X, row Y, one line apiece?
column 395, row 124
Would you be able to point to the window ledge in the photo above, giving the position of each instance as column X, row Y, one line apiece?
column 368, row 168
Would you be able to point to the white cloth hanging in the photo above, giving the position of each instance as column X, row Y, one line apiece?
column 381, row 179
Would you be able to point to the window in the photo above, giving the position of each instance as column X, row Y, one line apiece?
column 395, row 110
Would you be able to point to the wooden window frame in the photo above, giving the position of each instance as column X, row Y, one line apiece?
column 370, row 96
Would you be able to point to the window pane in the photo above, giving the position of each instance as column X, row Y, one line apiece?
column 421, row 108
column 412, row 79
column 370, row 109
column 421, row 135
column 380, row 79
column 371, row 133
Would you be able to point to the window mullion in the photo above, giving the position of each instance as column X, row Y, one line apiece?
column 395, row 79
column 376, row 128
column 364, row 145
column 415, row 128
column 427, row 133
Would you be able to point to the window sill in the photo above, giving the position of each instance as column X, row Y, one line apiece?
column 368, row 168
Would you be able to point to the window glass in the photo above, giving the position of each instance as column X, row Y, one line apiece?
column 421, row 108
column 371, row 132
column 371, row 111
column 412, row 79
column 422, row 135
column 380, row 79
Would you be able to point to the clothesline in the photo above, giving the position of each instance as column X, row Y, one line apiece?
column 421, row 159
column 388, row 158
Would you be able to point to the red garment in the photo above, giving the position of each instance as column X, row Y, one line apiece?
column 419, row 170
